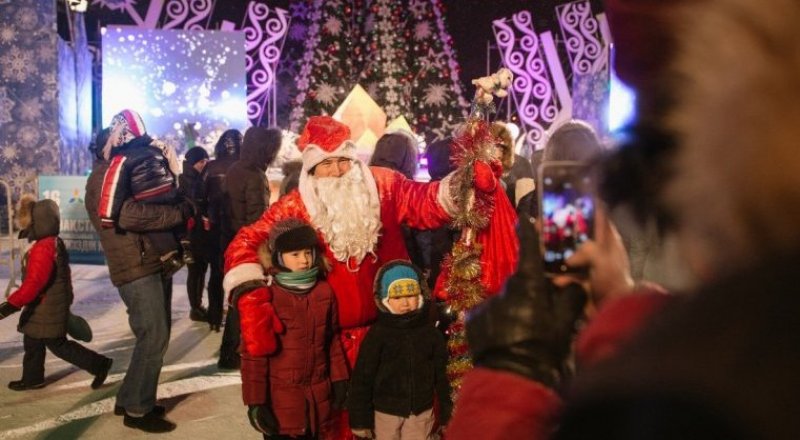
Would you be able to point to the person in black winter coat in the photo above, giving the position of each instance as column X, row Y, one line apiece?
column 46, row 295
column 442, row 239
column 246, row 186
column 191, row 186
column 226, row 152
column 401, row 364
column 398, row 151
column 246, row 195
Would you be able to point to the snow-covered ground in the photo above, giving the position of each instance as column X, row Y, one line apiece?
column 203, row 401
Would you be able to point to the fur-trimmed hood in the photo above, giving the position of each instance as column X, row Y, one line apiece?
column 736, row 185
column 37, row 220
column 501, row 133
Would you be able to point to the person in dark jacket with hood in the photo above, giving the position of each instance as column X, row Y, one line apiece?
column 191, row 186
column 401, row 364
column 246, row 196
column 442, row 239
column 398, row 151
column 226, row 152
column 46, row 295
column 518, row 174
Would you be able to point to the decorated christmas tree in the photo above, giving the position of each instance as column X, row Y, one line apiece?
column 398, row 50
column 436, row 98
column 328, row 71
column 385, row 75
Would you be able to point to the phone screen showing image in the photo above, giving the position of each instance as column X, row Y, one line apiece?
column 567, row 214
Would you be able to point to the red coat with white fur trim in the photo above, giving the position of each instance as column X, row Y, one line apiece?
column 402, row 201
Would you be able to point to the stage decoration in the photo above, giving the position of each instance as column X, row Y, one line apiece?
column 487, row 251
column 188, row 14
column 265, row 33
column 361, row 113
column 521, row 49
column 75, row 100
column 128, row 8
column 29, row 125
column 588, row 53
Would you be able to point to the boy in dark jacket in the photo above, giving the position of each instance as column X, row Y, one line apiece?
column 46, row 295
column 145, row 170
column 292, row 385
column 401, row 363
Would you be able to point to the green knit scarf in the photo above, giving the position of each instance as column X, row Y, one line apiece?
column 299, row 281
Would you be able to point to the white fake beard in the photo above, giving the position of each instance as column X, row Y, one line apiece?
column 347, row 215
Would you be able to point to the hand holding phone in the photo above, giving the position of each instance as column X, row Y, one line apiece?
column 566, row 211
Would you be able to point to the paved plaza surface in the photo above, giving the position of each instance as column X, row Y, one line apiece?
column 204, row 401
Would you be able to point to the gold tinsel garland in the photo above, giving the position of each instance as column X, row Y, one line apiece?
column 463, row 286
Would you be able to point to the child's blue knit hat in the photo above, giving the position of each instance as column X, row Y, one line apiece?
column 399, row 281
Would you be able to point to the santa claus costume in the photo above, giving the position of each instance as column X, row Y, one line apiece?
column 357, row 217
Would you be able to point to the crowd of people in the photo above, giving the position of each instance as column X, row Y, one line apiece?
column 329, row 313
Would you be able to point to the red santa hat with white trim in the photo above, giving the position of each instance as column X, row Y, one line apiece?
column 324, row 138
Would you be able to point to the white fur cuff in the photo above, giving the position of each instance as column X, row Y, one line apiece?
column 445, row 198
column 240, row 274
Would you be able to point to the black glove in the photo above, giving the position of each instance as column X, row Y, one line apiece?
column 339, row 393
column 528, row 328
column 7, row 309
column 187, row 208
column 262, row 419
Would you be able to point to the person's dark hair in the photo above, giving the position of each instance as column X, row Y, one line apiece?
column 291, row 176
column 96, row 147
column 573, row 141
column 398, row 152
column 438, row 154
column 261, row 145
column 228, row 145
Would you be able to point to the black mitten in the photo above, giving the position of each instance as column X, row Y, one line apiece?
column 187, row 207
column 7, row 309
column 263, row 419
column 339, row 393
column 528, row 328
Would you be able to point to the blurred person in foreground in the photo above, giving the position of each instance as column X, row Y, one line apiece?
column 720, row 363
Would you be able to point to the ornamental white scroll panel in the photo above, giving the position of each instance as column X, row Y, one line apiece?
column 265, row 31
column 188, row 14
column 532, row 90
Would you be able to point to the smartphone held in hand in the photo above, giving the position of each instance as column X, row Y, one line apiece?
column 566, row 209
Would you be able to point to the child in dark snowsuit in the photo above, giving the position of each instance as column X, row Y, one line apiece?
column 291, row 382
column 401, row 363
column 145, row 170
column 46, row 295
